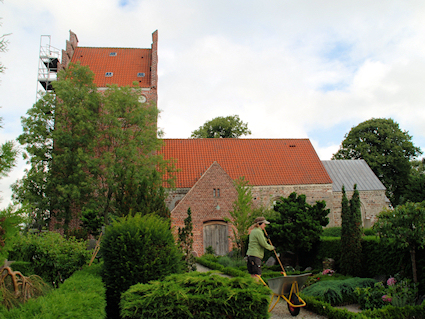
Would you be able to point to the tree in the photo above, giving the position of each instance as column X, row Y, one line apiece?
column 185, row 242
column 386, row 149
column 8, row 154
column 415, row 188
column 406, row 226
column 3, row 46
column 243, row 214
column 351, row 234
column 222, row 127
column 88, row 148
column 298, row 224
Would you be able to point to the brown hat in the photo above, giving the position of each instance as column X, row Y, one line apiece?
column 261, row 220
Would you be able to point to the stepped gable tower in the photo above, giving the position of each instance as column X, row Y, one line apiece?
column 121, row 66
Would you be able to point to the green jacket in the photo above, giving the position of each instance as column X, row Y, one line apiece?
column 257, row 243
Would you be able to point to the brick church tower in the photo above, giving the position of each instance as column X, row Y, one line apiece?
column 121, row 66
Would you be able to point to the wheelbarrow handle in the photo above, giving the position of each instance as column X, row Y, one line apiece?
column 278, row 259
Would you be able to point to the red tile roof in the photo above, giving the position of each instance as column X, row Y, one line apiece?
column 261, row 161
column 124, row 65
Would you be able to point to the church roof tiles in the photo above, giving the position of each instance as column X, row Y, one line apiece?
column 261, row 161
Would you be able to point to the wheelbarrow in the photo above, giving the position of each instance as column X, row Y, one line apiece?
column 288, row 288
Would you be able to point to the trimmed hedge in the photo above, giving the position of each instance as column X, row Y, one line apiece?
column 389, row 312
column 210, row 261
column 81, row 296
column 196, row 295
column 137, row 249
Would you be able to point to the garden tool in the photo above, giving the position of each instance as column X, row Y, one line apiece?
column 277, row 257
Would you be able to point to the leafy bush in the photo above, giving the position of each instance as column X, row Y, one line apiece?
column 398, row 293
column 137, row 249
column 80, row 296
column 331, row 232
column 196, row 295
column 369, row 232
column 211, row 262
column 52, row 257
column 227, row 261
column 337, row 292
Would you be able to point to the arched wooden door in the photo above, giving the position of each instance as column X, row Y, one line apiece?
column 216, row 235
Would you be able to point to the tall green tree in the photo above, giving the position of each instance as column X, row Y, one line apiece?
column 243, row 213
column 8, row 155
column 351, row 234
column 406, row 226
column 222, row 127
column 415, row 188
column 86, row 148
column 386, row 149
column 185, row 242
column 298, row 224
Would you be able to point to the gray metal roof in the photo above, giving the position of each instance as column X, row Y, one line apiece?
column 350, row 172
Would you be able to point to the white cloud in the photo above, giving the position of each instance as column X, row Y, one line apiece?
column 289, row 69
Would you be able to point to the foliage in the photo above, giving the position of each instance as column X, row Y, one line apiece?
column 105, row 143
column 196, row 295
column 16, row 289
column 337, row 292
column 222, row 127
column 10, row 220
column 414, row 190
column 298, row 224
column 243, row 214
column 8, row 150
column 80, row 296
column 91, row 221
column 137, row 249
column 211, row 262
column 146, row 198
column 209, row 250
column 351, row 234
column 386, row 149
column 398, row 293
column 331, row 232
column 53, row 257
column 325, row 309
column 185, row 242
column 405, row 224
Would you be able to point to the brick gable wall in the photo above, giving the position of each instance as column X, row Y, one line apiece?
column 206, row 207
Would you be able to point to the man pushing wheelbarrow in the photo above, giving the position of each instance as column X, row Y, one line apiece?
column 286, row 287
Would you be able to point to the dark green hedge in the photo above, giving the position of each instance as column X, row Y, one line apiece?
column 389, row 312
column 196, row 295
column 210, row 261
column 81, row 296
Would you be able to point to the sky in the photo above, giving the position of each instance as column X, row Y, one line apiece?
column 290, row 69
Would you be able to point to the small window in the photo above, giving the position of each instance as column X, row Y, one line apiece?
column 140, row 75
column 109, row 74
column 214, row 193
column 218, row 192
column 112, row 54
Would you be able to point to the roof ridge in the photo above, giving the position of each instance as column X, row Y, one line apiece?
column 82, row 47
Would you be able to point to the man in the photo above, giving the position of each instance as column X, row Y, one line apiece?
column 256, row 245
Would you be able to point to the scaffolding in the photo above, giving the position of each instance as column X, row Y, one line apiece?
column 47, row 66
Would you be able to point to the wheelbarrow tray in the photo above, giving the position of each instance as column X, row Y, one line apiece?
column 282, row 285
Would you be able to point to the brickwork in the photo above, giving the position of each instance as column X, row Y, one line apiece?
column 206, row 207
column 372, row 203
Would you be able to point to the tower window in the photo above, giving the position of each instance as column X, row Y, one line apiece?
column 109, row 74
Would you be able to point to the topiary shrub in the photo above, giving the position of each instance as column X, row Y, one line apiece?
column 331, row 232
column 52, row 257
column 137, row 249
column 196, row 295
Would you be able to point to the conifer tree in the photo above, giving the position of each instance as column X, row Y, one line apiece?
column 185, row 241
column 351, row 231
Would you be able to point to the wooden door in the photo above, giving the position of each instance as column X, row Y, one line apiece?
column 216, row 236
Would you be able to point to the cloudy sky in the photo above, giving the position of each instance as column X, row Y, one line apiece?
column 290, row 69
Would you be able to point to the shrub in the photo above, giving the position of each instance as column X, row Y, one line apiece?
column 337, row 292
column 53, row 257
column 331, row 232
column 137, row 249
column 80, row 296
column 196, row 295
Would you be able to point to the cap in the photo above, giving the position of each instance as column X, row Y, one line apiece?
column 261, row 220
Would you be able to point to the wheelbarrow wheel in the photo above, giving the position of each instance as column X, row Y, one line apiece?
column 294, row 311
